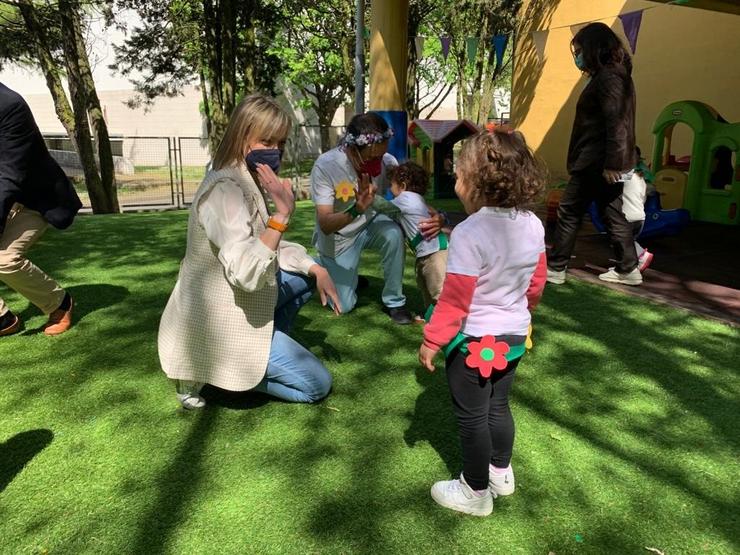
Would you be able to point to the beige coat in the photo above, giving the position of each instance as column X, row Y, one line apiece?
column 217, row 325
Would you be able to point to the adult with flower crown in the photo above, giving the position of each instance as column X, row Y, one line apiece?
column 349, row 218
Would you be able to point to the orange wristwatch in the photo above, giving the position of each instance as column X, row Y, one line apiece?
column 272, row 223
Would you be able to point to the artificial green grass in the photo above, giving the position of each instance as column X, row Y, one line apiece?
column 626, row 413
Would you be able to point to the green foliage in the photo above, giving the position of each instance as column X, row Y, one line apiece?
column 316, row 45
column 18, row 45
column 224, row 45
column 476, row 81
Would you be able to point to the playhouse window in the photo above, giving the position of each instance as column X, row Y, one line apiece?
column 722, row 168
column 677, row 146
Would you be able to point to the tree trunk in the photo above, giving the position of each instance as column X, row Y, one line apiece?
column 95, row 113
column 249, row 79
column 214, row 73
column 325, row 110
column 228, row 30
column 99, row 197
column 206, row 105
column 79, row 105
column 50, row 69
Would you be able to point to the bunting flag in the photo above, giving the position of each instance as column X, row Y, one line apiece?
column 445, row 42
column 577, row 27
column 540, row 40
column 472, row 48
column 631, row 23
column 419, row 41
column 499, row 45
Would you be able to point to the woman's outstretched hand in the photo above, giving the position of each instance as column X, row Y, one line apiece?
column 326, row 288
column 280, row 191
column 366, row 193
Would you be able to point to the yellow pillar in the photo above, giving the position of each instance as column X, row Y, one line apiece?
column 388, row 43
column 388, row 58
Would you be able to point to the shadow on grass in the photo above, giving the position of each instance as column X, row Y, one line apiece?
column 433, row 420
column 177, row 486
column 237, row 400
column 19, row 450
column 87, row 299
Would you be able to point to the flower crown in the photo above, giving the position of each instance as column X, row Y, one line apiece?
column 364, row 139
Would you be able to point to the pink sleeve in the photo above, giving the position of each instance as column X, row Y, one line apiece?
column 452, row 308
column 537, row 283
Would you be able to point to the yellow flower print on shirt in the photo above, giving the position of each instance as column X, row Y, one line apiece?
column 344, row 191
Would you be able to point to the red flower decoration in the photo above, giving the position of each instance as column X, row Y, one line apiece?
column 487, row 354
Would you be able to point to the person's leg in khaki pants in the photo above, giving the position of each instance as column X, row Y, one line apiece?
column 430, row 275
column 22, row 229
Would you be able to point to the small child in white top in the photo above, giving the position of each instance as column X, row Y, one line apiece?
column 636, row 188
column 496, row 272
column 408, row 186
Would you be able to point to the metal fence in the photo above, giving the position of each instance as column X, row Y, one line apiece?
column 161, row 172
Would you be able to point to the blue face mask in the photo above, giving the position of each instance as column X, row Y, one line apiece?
column 268, row 156
column 579, row 62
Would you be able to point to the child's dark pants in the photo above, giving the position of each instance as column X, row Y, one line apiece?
column 484, row 419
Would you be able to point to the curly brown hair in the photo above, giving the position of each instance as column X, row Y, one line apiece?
column 411, row 176
column 503, row 170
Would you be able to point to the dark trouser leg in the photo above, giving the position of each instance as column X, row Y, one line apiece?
column 573, row 204
column 472, row 399
column 621, row 232
column 500, row 419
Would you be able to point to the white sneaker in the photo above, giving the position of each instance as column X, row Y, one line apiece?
column 501, row 484
column 457, row 495
column 555, row 277
column 612, row 276
column 191, row 401
column 644, row 260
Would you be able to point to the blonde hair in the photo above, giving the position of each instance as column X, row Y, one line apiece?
column 256, row 118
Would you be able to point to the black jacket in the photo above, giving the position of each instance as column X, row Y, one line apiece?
column 28, row 173
column 603, row 135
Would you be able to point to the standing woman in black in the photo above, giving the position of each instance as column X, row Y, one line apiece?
column 601, row 154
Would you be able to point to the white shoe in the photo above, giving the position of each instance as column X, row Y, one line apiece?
column 501, row 484
column 612, row 276
column 555, row 277
column 191, row 401
column 457, row 495
column 644, row 260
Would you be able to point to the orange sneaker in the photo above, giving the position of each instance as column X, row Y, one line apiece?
column 60, row 320
column 10, row 324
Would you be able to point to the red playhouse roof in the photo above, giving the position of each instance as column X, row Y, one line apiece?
column 425, row 132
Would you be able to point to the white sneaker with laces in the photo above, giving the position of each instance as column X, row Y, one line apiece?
column 501, row 484
column 612, row 276
column 644, row 260
column 191, row 401
column 458, row 496
column 555, row 277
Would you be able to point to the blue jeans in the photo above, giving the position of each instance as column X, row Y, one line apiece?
column 383, row 235
column 293, row 373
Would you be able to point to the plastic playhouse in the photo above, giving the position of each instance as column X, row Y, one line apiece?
column 703, row 186
column 432, row 142
column 706, row 183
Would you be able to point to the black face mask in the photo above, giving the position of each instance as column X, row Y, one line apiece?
column 268, row 156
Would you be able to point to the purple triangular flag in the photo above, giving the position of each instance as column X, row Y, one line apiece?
column 445, row 42
column 499, row 44
column 631, row 23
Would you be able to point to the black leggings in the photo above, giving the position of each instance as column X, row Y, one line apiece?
column 484, row 419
